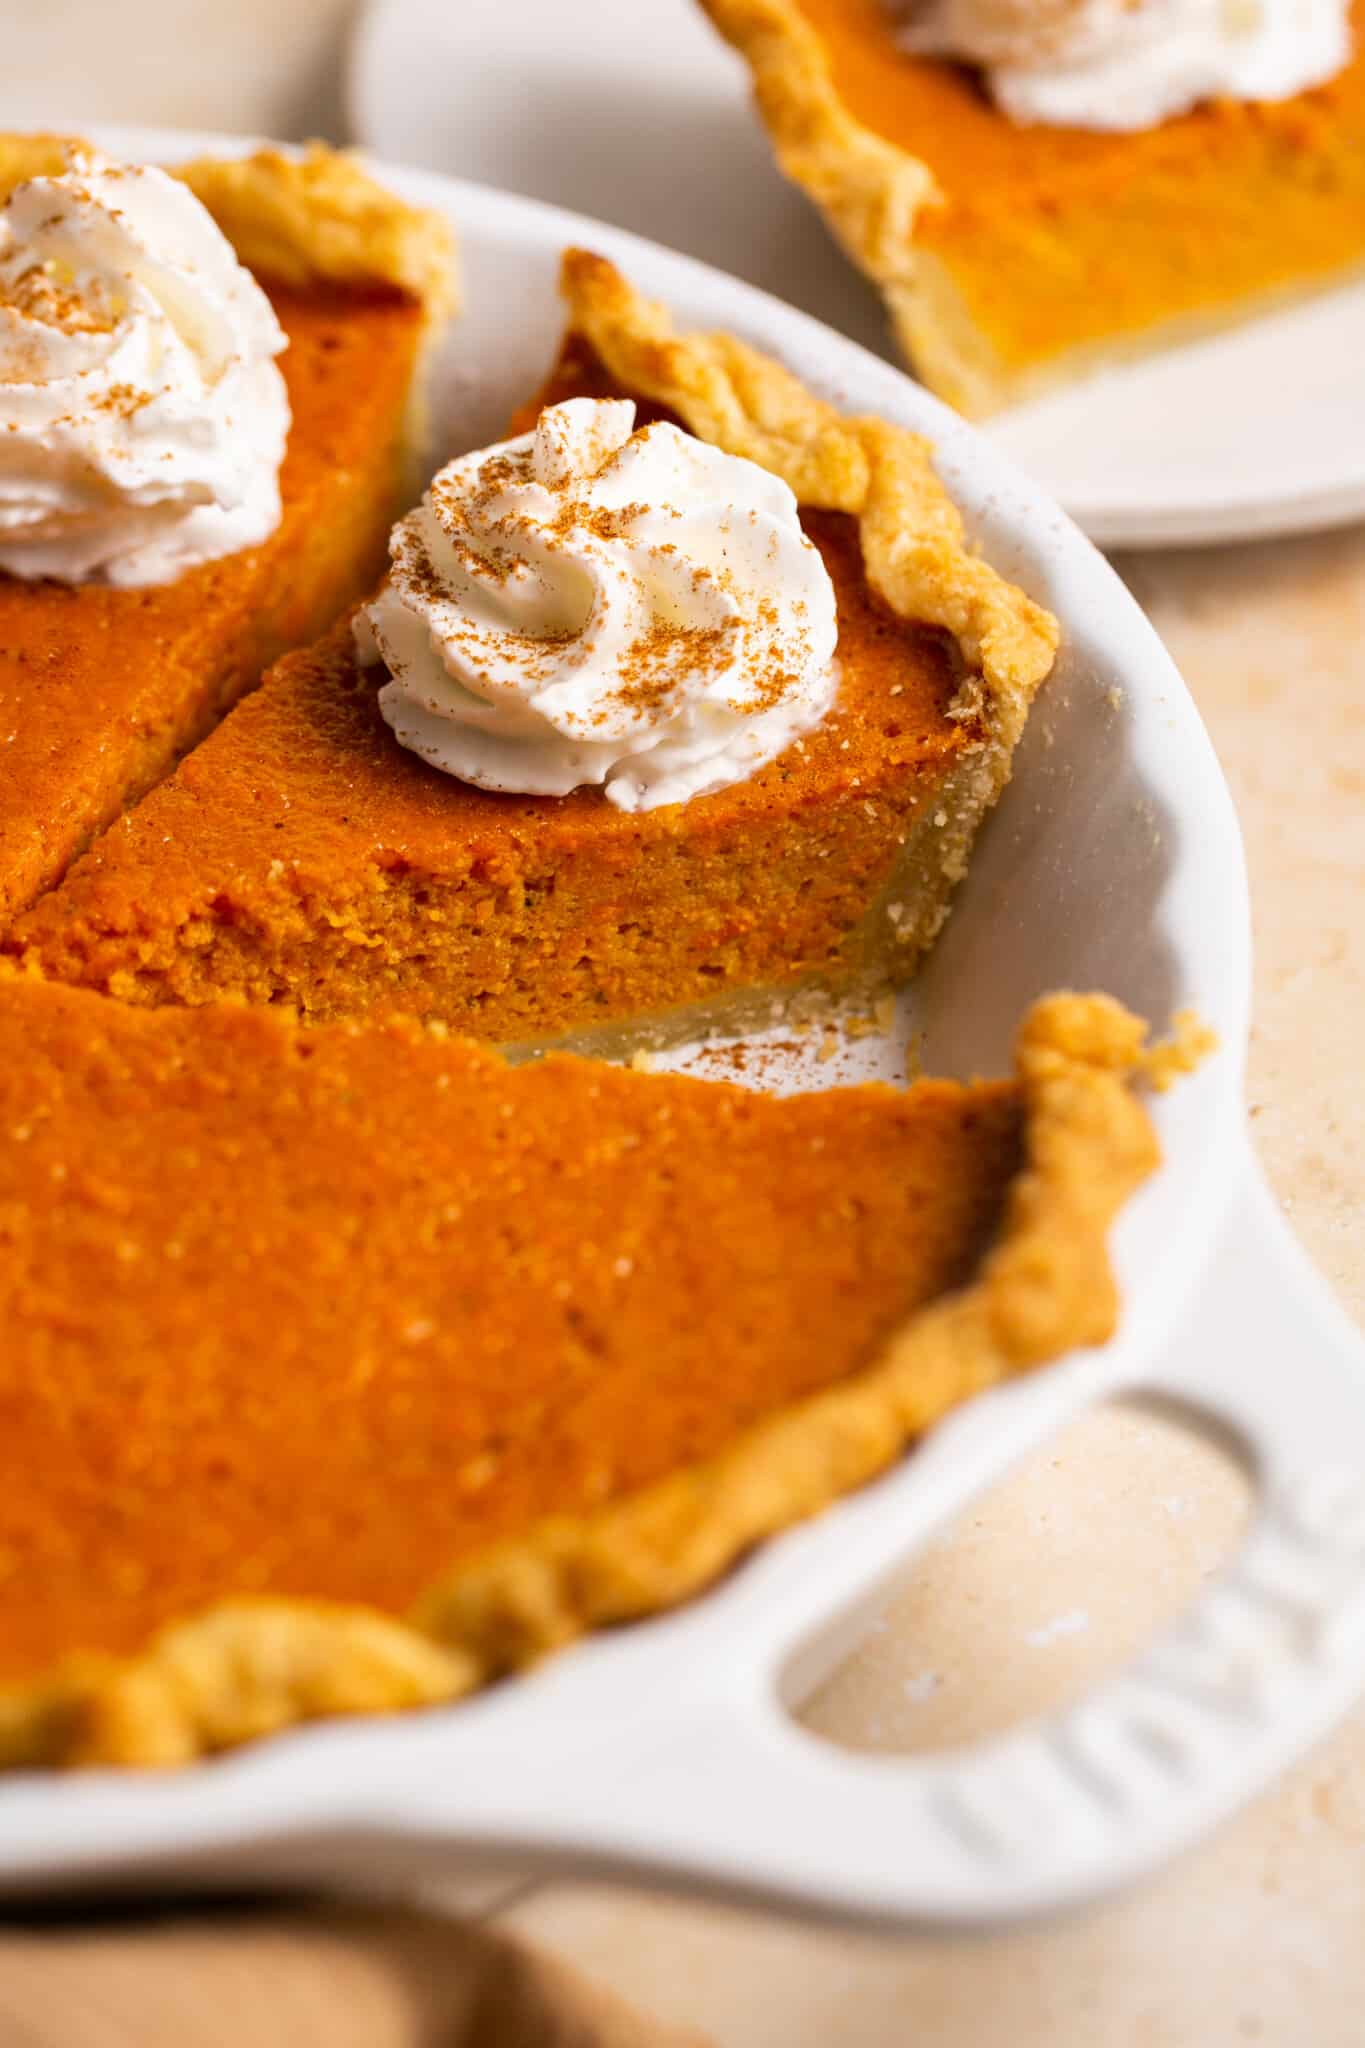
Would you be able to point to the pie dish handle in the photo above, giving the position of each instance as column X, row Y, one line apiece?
column 1068, row 1806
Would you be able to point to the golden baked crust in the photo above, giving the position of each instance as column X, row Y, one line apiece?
column 246, row 1668
column 314, row 216
column 870, row 191
column 321, row 215
column 910, row 530
column 32, row 156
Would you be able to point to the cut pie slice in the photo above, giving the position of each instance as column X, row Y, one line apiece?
column 344, row 1369
column 102, row 689
column 1013, row 256
column 302, row 856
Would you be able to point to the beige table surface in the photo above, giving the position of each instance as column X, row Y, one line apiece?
column 1257, row 1937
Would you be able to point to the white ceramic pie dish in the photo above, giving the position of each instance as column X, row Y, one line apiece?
column 665, row 1750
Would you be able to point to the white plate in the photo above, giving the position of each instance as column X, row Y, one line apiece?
column 640, row 116
column 663, row 1751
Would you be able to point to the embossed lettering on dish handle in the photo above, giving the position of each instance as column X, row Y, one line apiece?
column 1291, row 1601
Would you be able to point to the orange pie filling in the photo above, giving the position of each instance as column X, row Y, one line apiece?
column 103, row 688
column 302, row 857
column 363, row 1315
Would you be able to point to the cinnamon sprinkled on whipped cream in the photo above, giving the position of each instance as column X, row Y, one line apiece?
column 599, row 604
column 142, row 414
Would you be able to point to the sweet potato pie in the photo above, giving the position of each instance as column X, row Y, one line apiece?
column 346, row 1363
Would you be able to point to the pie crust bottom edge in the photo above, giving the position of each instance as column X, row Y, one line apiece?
column 247, row 1668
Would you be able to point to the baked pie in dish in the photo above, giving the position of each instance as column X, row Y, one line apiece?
column 161, row 541
column 346, row 1363
column 1016, row 246
column 347, row 1368
column 369, row 834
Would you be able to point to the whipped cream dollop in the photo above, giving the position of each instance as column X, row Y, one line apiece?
column 597, row 603
column 143, row 416
column 1128, row 64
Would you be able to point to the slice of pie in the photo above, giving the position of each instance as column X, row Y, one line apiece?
column 1013, row 255
column 103, row 688
column 302, row 856
column 344, row 1369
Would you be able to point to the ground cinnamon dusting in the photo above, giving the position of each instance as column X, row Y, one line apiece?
column 493, row 539
column 40, row 294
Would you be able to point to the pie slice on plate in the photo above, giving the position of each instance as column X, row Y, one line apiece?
column 103, row 687
column 343, row 1369
column 1013, row 255
column 303, row 857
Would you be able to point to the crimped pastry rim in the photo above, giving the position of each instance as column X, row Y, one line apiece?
column 315, row 215
column 245, row 1668
column 914, row 546
column 870, row 191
